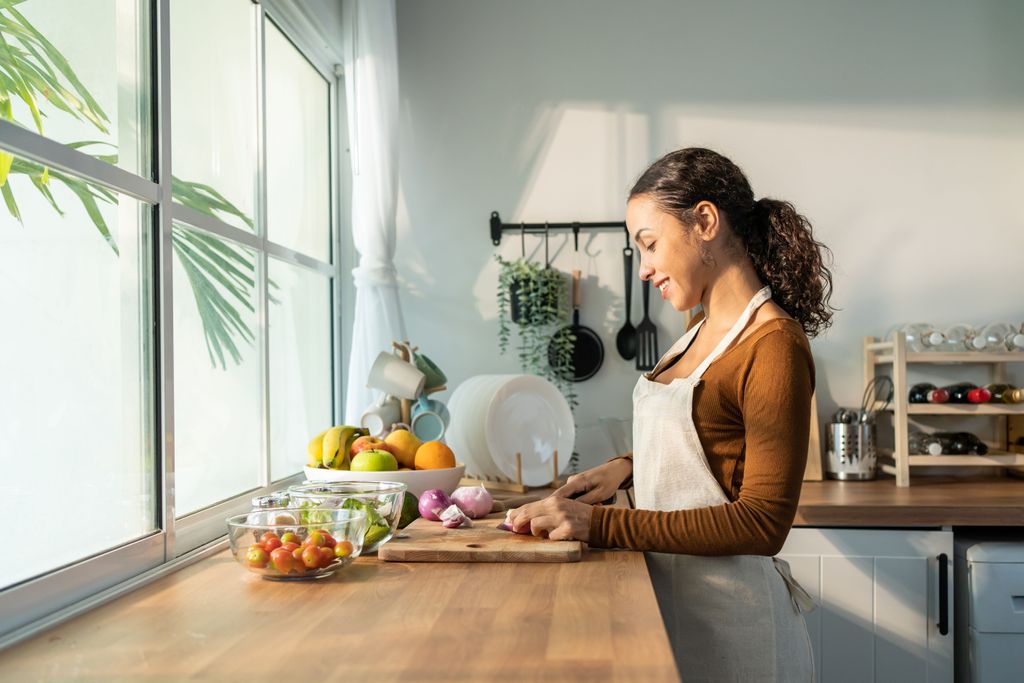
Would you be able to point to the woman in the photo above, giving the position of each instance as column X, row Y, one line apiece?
column 720, row 426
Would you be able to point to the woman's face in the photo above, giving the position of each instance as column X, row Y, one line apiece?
column 669, row 254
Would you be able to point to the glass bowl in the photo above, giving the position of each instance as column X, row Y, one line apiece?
column 380, row 500
column 325, row 540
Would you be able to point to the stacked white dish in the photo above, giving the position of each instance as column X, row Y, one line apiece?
column 493, row 417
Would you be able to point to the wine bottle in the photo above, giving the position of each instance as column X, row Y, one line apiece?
column 922, row 337
column 924, row 444
column 961, row 443
column 965, row 392
column 927, row 393
column 1005, row 393
column 1003, row 337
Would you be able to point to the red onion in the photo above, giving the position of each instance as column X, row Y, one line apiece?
column 475, row 501
column 432, row 502
column 452, row 517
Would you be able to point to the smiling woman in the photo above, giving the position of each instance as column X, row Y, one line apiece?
column 720, row 425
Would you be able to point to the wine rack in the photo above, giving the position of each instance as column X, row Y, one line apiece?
column 894, row 353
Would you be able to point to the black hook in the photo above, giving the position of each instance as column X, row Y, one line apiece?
column 626, row 233
column 522, row 239
column 547, row 261
column 576, row 235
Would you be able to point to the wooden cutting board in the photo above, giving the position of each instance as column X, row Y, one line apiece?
column 426, row 541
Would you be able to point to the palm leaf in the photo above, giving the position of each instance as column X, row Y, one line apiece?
column 221, row 274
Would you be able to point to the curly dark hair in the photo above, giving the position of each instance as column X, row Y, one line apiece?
column 779, row 241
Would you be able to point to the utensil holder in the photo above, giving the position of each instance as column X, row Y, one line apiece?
column 852, row 452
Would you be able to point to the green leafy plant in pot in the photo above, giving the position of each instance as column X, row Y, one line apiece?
column 533, row 298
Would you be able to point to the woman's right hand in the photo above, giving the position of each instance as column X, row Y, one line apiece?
column 598, row 483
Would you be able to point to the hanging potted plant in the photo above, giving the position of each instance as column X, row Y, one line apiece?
column 533, row 297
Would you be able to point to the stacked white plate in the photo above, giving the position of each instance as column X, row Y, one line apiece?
column 493, row 417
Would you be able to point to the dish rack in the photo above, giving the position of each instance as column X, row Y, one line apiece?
column 517, row 485
column 895, row 353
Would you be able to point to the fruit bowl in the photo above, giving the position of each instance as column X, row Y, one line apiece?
column 323, row 540
column 418, row 481
column 381, row 501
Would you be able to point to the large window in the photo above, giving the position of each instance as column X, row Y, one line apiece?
column 168, row 317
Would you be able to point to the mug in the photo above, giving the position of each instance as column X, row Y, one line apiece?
column 435, row 377
column 426, row 405
column 428, row 426
column 394, row 376
column 380, row 416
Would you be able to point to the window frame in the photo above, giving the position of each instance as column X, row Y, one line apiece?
column 44, row 601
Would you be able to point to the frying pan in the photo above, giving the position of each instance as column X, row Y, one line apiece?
column 587, row 352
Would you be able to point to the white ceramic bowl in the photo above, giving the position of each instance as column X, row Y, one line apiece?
column 418, row 481
column 496, row 416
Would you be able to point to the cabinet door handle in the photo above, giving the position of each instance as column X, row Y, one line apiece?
column 943, row 594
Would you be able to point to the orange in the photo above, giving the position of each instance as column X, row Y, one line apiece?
column 434, row 455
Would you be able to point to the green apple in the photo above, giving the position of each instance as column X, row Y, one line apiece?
column 374, row 461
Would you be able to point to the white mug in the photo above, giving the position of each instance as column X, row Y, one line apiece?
column 394, row 376
column 379, row 417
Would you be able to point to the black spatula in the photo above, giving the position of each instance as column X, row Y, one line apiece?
column 646, row 337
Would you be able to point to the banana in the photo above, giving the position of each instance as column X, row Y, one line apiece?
column 315, row 449
column 336, row 442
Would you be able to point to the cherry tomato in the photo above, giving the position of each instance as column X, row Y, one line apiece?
column 343, row 549
column 297, row 553
column 317, row 538
column 328, row 539
column 283, row 561
column 289, row 546
column 269, row 541
column 290, row 537
column 326, row 557
column 257, row 556
column 311, row 557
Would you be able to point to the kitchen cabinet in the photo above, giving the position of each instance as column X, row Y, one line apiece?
column 879, row 601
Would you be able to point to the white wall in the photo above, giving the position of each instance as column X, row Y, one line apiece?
column 896, row 127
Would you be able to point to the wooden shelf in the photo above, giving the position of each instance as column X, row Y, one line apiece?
column 956, row 358
column 994, row 458
column 957, row 408
column 965, row 409
column 894, row 352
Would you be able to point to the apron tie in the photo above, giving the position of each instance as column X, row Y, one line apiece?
column 802, row 600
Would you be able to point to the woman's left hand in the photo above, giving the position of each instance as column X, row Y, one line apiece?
column 554, row 517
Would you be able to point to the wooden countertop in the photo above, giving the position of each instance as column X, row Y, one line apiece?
column 928, row 501
column 594, row 620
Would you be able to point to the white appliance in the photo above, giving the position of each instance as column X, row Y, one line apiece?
column 990, row 631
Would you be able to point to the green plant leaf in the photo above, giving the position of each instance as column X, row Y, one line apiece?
column 12, row 206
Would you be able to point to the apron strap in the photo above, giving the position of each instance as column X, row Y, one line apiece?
column 802, row 600
column 764, row 294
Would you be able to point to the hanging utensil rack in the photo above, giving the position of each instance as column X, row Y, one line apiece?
column 497, row 227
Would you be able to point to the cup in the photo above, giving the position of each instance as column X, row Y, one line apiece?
column 427, row 405
column 428, row 426
column 380, row 416
column 394, row 376
column 435, row 377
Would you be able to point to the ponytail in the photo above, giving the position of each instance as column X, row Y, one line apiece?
column 787, row 258
column 779, row 241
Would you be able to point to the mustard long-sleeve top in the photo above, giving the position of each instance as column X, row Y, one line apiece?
column 752, row 414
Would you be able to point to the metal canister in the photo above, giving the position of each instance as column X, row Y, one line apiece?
column 851, row 451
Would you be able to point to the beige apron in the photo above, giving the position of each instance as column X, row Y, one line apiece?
column 732, row 618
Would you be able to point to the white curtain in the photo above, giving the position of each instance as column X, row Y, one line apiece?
column 371, row 83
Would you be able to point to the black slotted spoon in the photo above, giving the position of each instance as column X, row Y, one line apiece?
column 646, row 337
